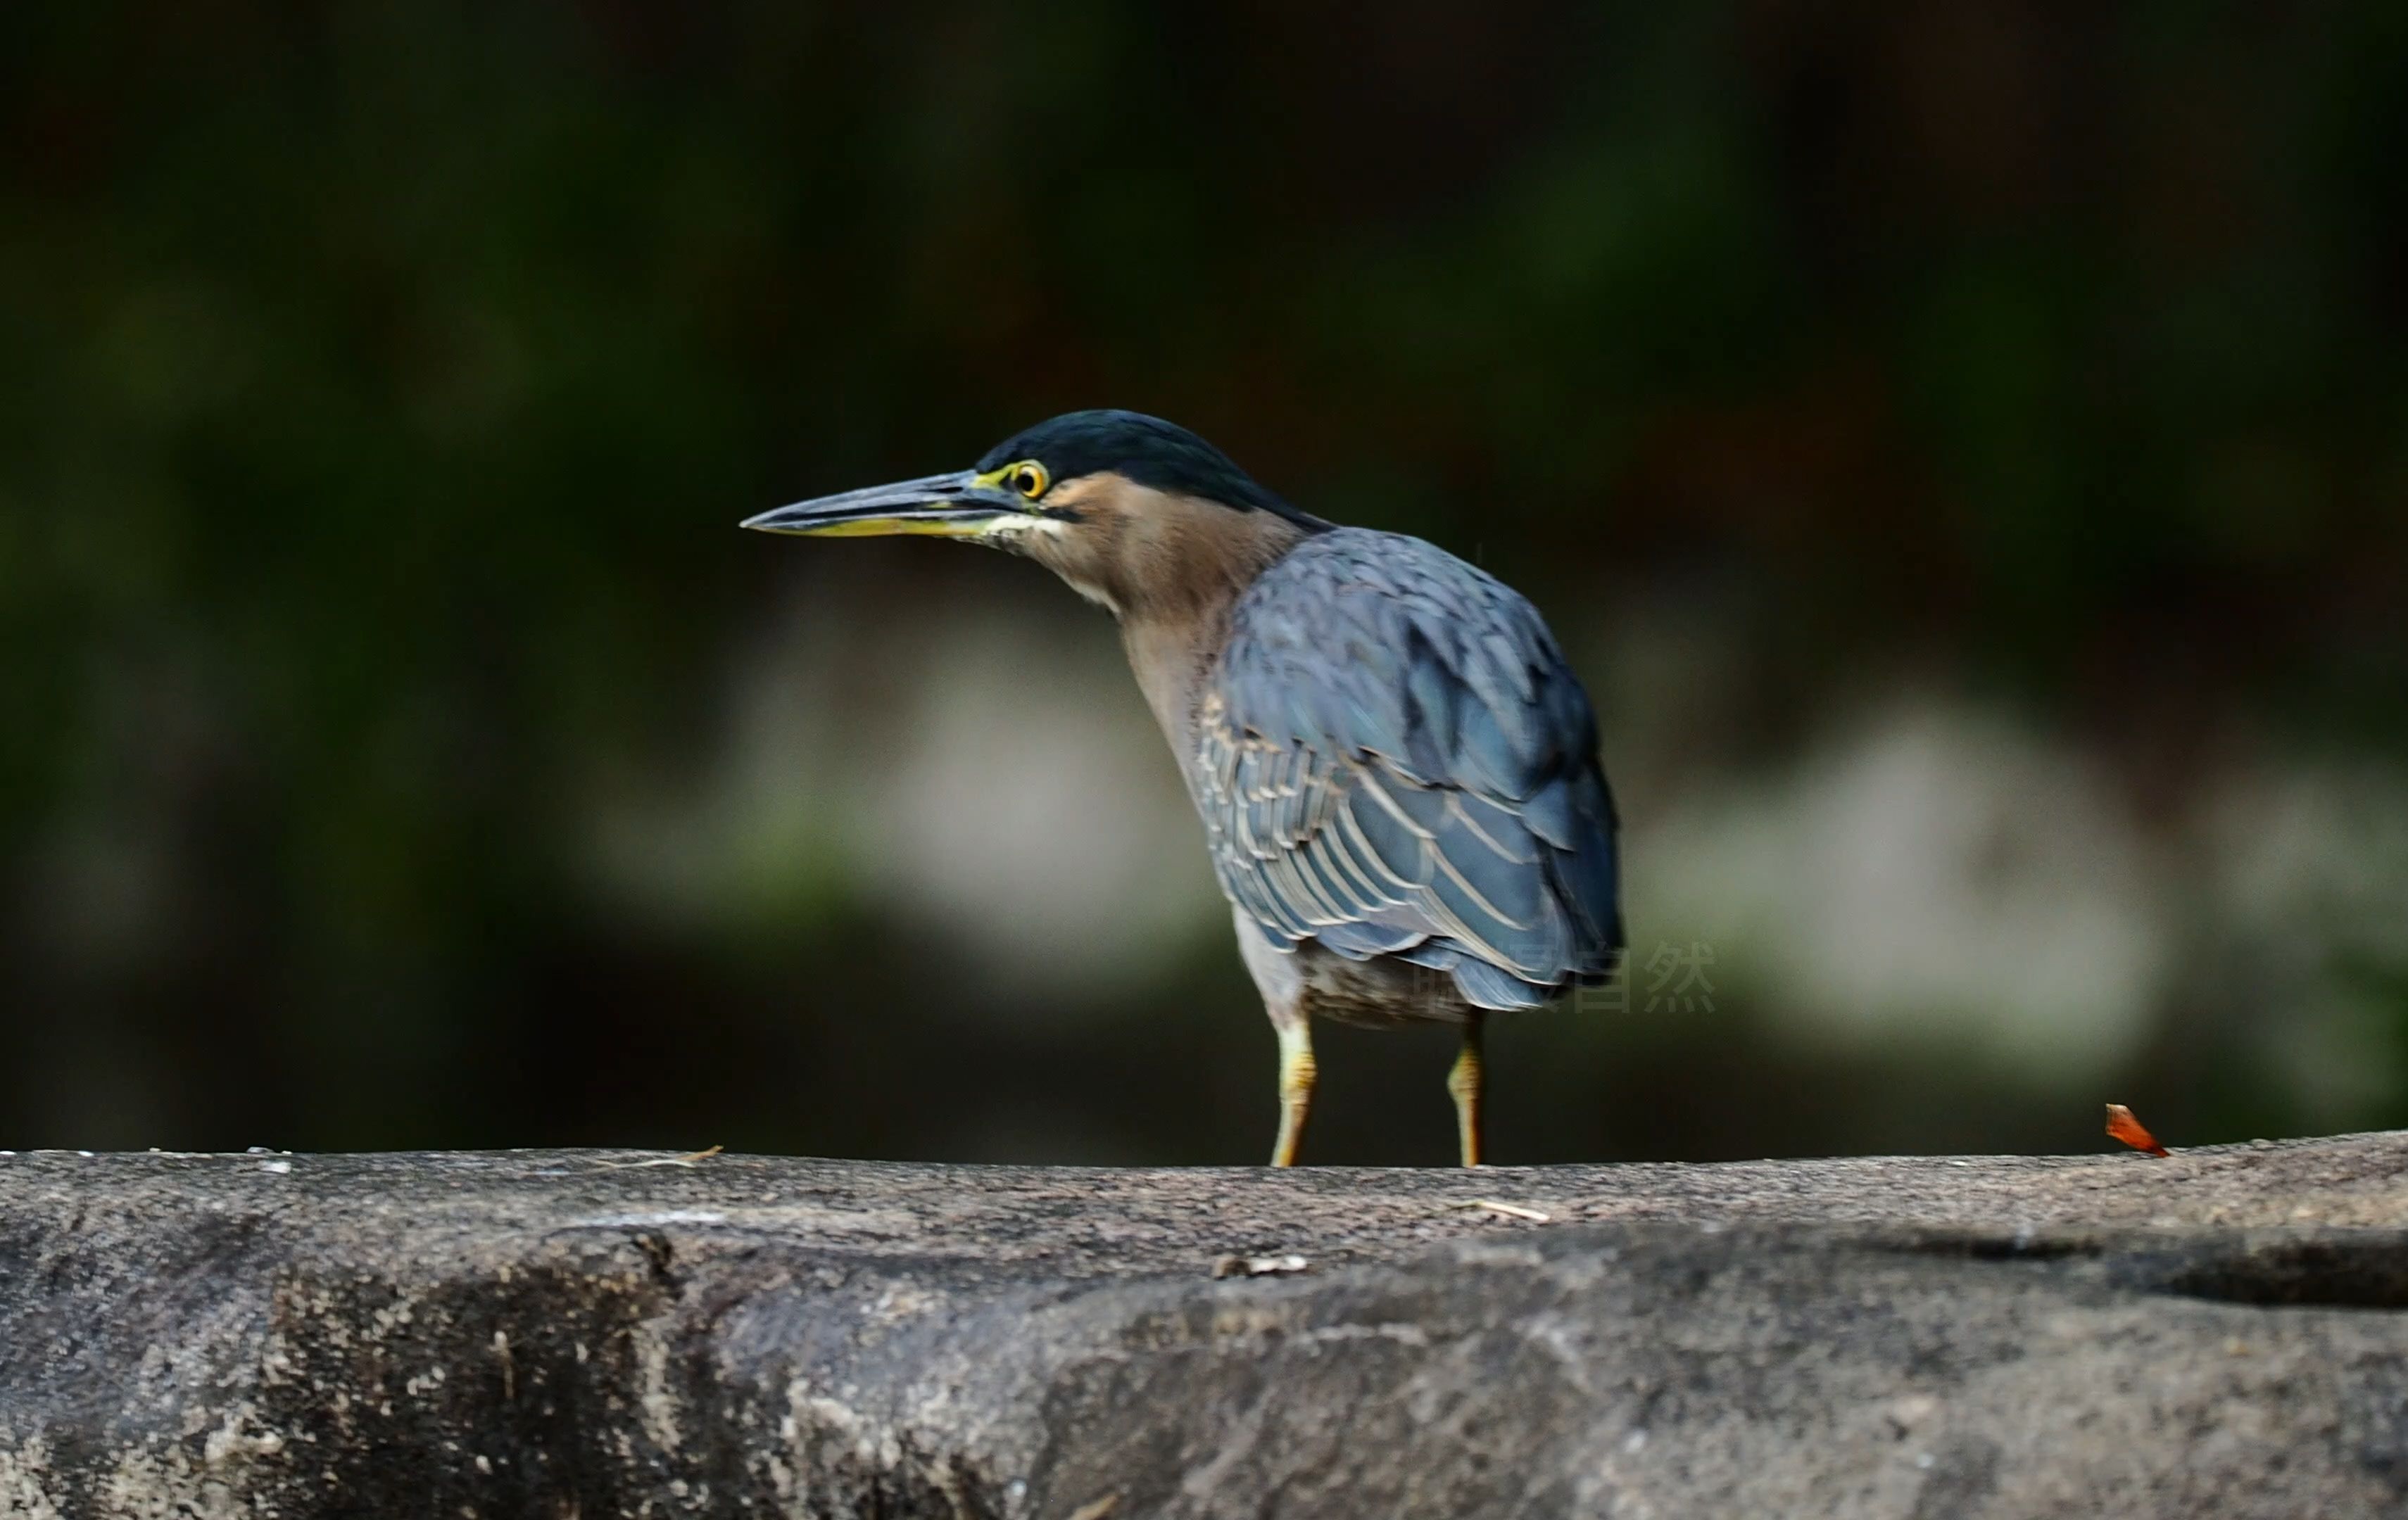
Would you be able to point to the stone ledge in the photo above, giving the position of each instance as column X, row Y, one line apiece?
column 553, row 1334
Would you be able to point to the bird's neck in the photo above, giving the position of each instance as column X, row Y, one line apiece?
column 1174, row 625
column 1169, row 568
column 1174, row 661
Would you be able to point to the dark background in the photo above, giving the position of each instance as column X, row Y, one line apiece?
column 1963, row 444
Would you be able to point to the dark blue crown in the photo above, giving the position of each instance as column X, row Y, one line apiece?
column 1147, row 450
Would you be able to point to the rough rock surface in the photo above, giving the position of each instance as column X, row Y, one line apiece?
column 593, row 1334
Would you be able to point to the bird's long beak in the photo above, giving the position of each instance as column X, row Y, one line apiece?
column 960, row 505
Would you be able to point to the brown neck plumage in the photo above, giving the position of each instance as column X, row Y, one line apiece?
column 1169, row 568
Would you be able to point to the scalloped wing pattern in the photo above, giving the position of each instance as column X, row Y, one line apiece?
column 1394, row 760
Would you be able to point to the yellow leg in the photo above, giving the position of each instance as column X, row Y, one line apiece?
column 1296, row 1076
column 1463, row 1085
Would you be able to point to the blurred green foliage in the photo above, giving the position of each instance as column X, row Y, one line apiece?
column 382, row 382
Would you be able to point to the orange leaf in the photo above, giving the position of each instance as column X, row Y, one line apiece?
column 2123, row 1126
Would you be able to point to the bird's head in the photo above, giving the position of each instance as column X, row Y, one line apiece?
column 1131, row 510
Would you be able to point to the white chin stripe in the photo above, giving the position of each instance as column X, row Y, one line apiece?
column 1011, row 528
column 1014, row 532
column 1093, row 594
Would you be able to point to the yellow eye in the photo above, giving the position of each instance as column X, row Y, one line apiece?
column 1028, row 478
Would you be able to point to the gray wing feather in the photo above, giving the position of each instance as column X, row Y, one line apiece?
column 1394, row 760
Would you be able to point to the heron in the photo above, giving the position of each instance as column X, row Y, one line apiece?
column 1395, row 767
